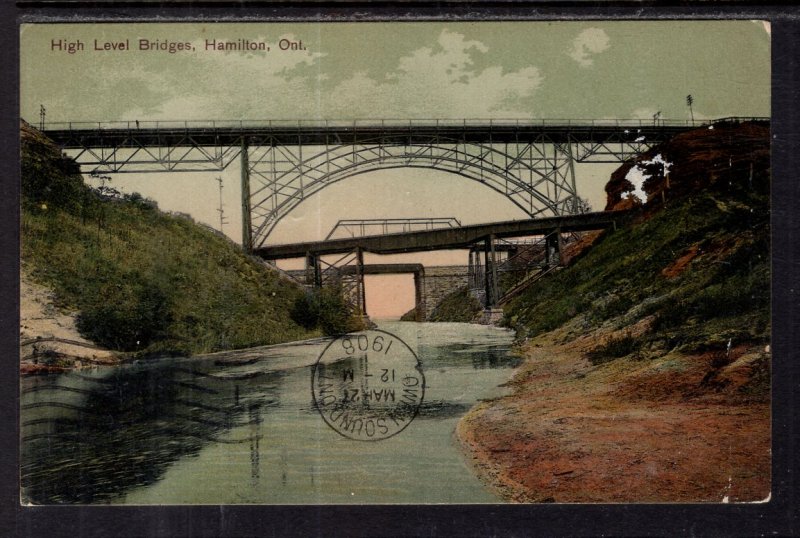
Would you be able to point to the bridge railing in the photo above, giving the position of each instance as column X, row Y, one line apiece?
column 383, row 123
column 362, row 227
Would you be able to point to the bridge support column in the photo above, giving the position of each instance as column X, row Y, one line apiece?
column 471, row 270
column 490, row 272
column 480, row 271
column 313, row 270
column 553, row 248
column 361, row 296
column 571, row 168
column 419, row 295
column 247, row 231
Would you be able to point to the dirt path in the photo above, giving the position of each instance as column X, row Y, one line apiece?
column 674, row 429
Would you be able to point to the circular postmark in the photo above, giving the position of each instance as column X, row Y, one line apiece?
column 368, row 386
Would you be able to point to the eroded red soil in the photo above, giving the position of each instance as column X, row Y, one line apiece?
column 673, row 429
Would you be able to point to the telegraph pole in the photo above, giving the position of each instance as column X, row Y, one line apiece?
column 42, row 114
column 656, row 118
column 221, row 211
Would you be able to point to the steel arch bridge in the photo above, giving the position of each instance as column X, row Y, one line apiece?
column 284, row 163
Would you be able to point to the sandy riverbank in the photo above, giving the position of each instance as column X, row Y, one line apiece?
column 679, row 428
column 49, row 339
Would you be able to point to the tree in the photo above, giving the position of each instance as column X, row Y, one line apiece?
column 582, row 206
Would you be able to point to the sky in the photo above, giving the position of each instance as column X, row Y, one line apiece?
column 407, row 70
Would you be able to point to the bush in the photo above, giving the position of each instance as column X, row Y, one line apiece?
column 613, row 349
column 140, row 202
column 324, row 309
column 126, row 321
column 305, row 311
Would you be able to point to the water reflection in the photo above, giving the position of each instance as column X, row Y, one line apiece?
column 89, row 438
column 441, row 409
column 480, row 355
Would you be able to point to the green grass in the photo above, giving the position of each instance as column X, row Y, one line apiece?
column 159, row 280
column 142, row 280
column 721, row 295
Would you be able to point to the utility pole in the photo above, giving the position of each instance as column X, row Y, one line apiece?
column 690, row 102
column 42, row 114
column 221, row 211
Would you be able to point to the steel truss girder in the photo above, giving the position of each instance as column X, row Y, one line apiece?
column 360, row 227
column 132, row 155
column 533, row 166
column 613, row 148
column 536, row 175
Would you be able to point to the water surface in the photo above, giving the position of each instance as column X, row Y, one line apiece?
column 242, row 428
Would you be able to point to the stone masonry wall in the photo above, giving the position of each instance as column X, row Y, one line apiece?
column 441, row 281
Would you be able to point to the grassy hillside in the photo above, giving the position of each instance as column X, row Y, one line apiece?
column 696, row 268
column 140, row 279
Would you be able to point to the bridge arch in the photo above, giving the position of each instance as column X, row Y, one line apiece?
column 283, row 161
column 537, row 178
column 288, row 205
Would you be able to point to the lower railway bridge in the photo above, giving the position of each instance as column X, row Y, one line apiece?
column 494, row 249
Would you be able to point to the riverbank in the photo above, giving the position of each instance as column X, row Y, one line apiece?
column 51, row 343
column 680, row 428
column 49, row 339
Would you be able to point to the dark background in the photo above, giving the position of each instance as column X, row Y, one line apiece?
column 777, row 517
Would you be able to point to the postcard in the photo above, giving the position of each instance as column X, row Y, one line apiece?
column 395, row 262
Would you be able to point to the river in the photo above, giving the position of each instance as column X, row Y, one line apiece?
column 241, row 427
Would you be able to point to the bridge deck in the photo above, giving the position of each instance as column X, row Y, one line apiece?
column 382, row 268
column 167, row 134
column 444, row 238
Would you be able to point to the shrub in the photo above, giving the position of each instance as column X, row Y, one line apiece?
column 614, row 348
column 305, row 311
column 126, row 321
column 323, row 308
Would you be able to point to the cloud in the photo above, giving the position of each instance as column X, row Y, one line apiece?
column 447, row 79
column 588, row 43
column 439, row 82
column 232, row 85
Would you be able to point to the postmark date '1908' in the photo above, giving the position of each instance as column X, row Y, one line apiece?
column 368, row 386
